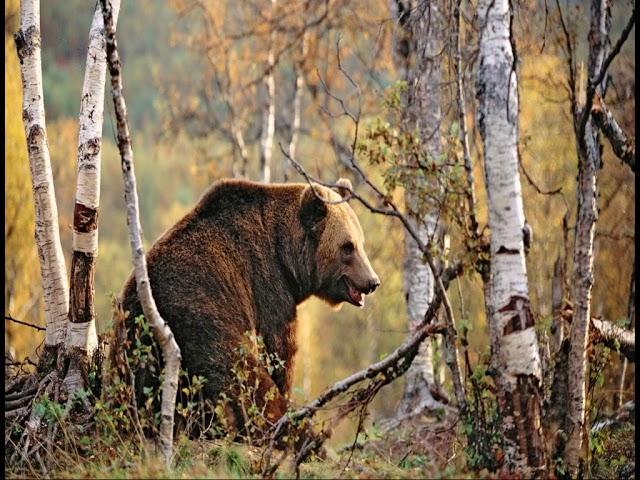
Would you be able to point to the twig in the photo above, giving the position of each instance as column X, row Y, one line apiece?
column 401, row 357
column 534, row 185
column 12, row 415
column 11, row 319
column 361, row 417
column 570, row 57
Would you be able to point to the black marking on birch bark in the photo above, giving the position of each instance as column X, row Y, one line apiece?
column 87, row 153
column 85, row 219
column 27, row 41
column 507, row 251
column 27, row 117
column 34, row 139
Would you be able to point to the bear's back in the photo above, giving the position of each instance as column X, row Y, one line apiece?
column 206, row 271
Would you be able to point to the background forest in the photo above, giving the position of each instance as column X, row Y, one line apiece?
column 193, row 76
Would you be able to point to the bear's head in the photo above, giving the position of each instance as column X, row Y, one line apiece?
column 344, row 273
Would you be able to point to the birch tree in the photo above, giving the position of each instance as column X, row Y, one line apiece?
column 589, row 162
column 81, row 338
column 514, row 345
column 417, row 47
column 269, row 113
column 298, row 89
column 47, row 234
column 161, row 331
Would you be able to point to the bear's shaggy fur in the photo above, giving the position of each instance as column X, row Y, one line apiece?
column 241, row 261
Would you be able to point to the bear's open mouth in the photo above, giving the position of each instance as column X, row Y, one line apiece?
column 354, row 296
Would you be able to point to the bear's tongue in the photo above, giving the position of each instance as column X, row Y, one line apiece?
column 356, row 296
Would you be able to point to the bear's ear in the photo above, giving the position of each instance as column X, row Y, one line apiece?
column 343, row 187
column 312, row 209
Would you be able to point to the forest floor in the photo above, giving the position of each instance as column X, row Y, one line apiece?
column 428, row 448
column 425, row 447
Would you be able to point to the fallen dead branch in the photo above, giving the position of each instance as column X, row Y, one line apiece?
column 379, row 374
column 391, row 210
column 614, row 337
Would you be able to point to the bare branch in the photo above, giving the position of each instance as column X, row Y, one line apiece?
column 570, row 57
column 623, row 146
column 382, row 372
column 534, row 185
column 11, row 319
column 593, row 83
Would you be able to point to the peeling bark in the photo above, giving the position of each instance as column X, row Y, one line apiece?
column 514, row 343
column 161, row 331
column 47, row 234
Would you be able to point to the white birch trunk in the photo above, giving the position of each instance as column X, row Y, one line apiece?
column 82, row 339
column 588, row 148
column 512, row 332
column 422, row 31
column 161, row 331
column 82, row 332
column 297, row 104
column 52, row 265
column 269, row 113
column 236, row 131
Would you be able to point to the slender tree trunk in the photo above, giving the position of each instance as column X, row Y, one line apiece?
column 512, row 332
column 161, row 331
column 297, row 104
column 417, row 45
column 269, row 113
column 81, row 338
column 483, row 267
column 236, row 131
column 52, row 265
column 588, row 147
column 464, row 138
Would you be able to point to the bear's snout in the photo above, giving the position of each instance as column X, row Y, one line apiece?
column 373, row 284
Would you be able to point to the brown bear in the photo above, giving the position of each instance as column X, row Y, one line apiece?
column 241, row 261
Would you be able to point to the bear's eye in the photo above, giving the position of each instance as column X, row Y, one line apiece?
column 348, row 248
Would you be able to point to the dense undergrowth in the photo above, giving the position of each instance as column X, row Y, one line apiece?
column 112, row 439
